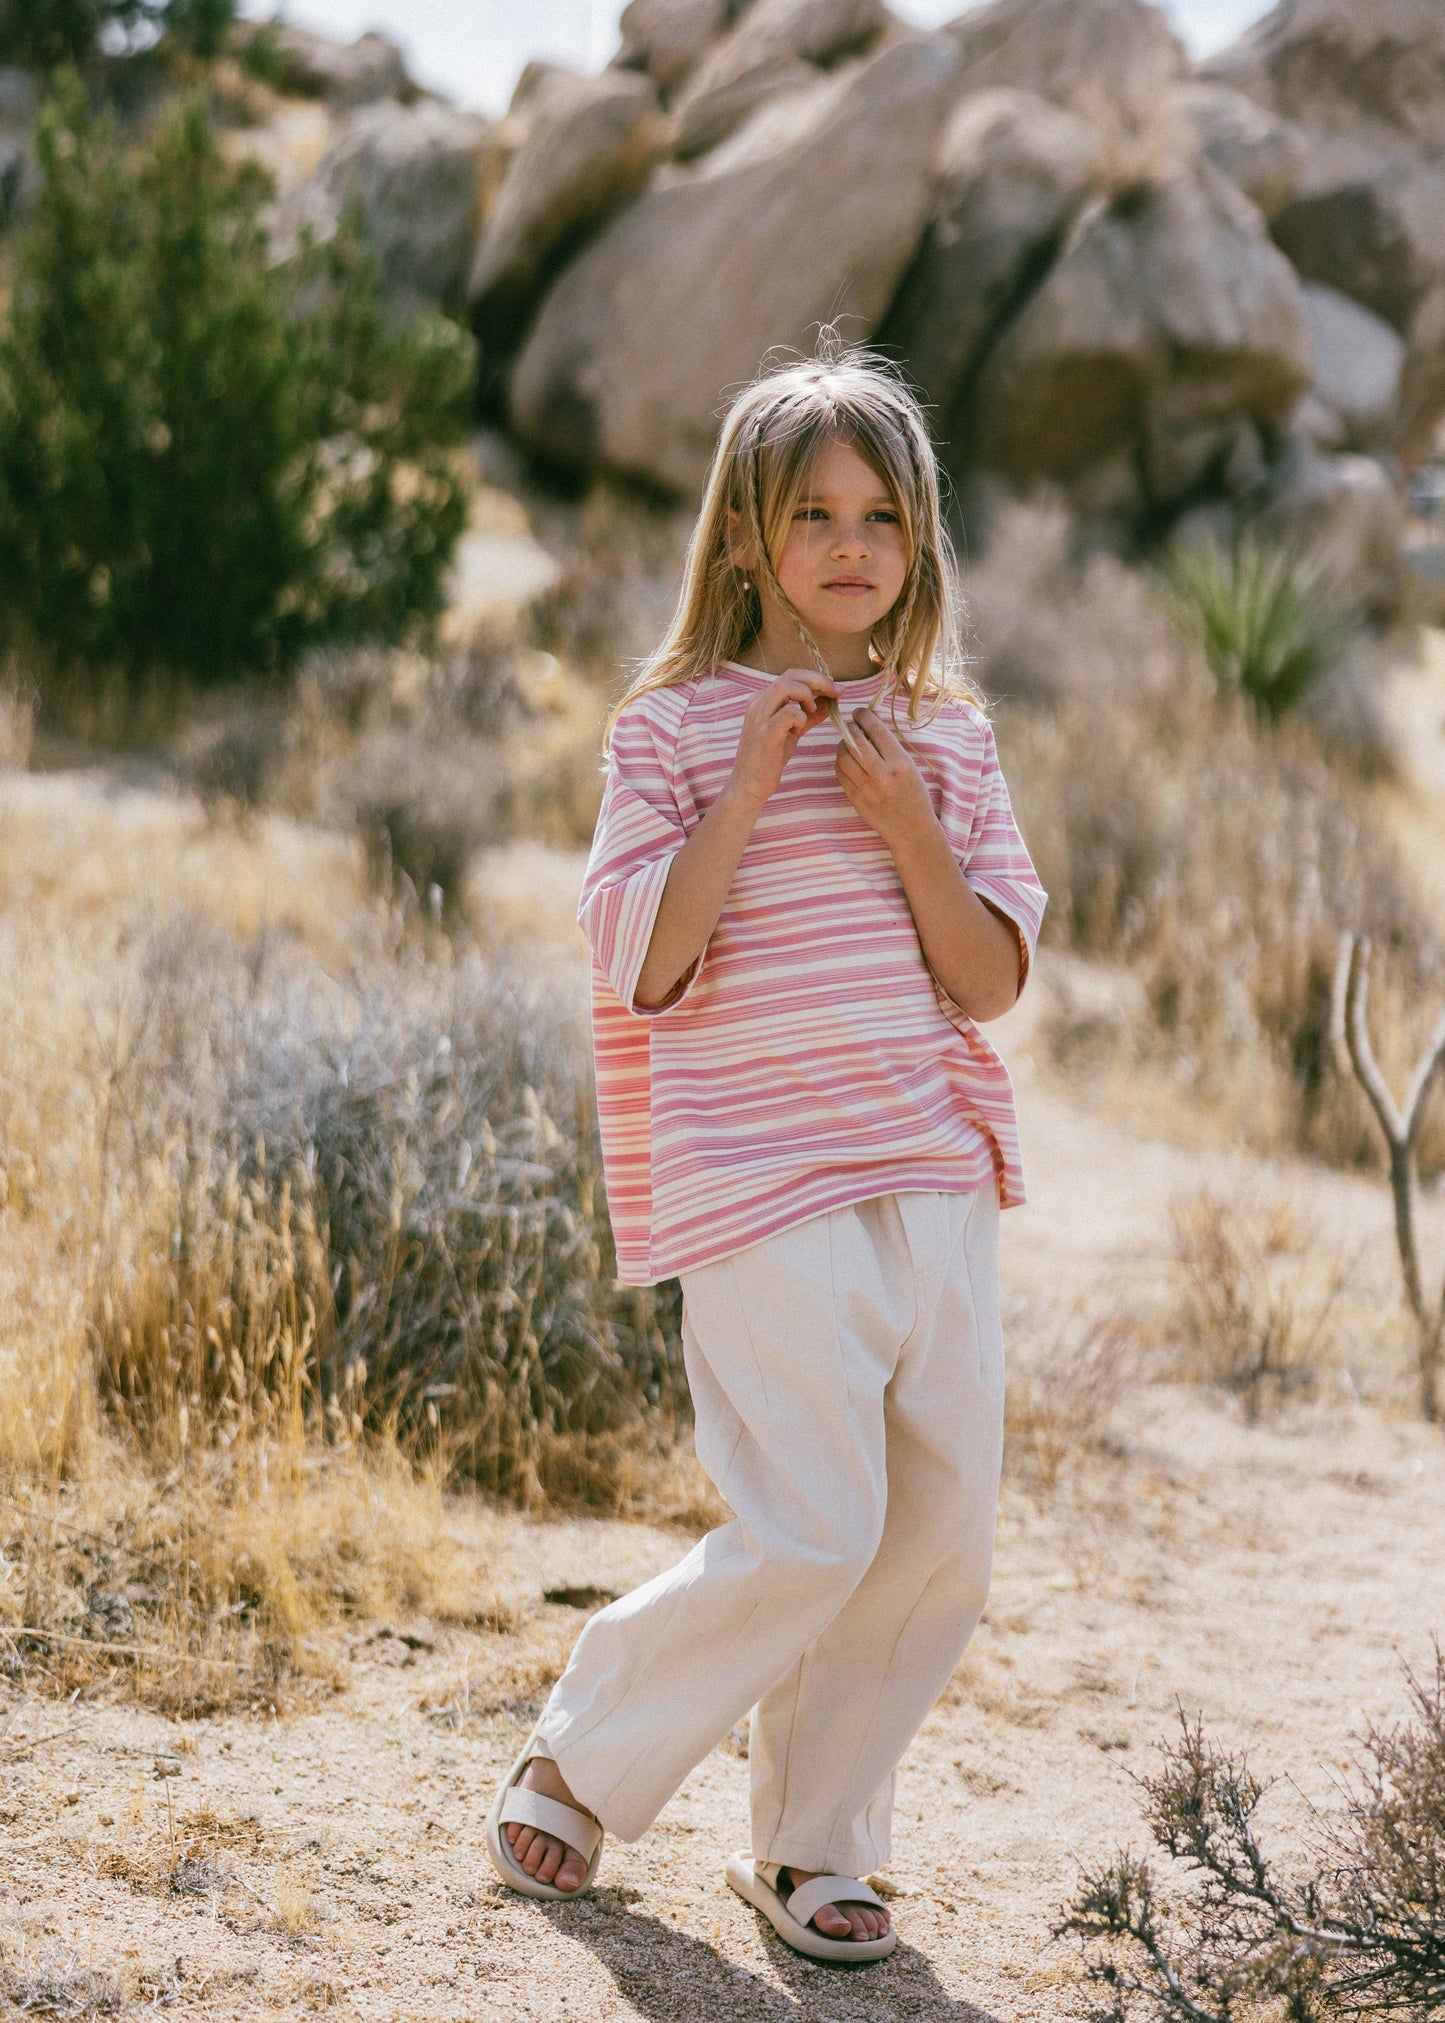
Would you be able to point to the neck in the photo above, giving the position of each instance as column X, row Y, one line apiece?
column 776, row 646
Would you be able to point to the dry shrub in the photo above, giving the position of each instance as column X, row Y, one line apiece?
column 1251, row 1316
column 621, row 565
column 1065, row 1386
column 1053, row 624
column 1220, row 861
column 289, row 1234
column 1351, row 1923
column 396, row 1179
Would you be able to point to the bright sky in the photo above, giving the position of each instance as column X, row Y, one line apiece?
column 472, row 50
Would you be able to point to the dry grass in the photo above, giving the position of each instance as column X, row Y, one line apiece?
column 1217, row 859
column 205, row 1587
column 1258, row 1312
column 1067, row 1376
column 294, row 1231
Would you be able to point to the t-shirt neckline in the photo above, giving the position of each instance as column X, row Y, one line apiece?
column 866, row 684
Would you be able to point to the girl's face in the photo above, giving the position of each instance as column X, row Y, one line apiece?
column 844, row 558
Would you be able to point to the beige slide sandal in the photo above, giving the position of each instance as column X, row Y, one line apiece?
column 566, row 1823
column 790, row 1919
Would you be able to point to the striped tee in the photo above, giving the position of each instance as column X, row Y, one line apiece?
column 809, row 1059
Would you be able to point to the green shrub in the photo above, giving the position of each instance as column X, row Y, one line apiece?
column 47, row 33
column 209, row 462
column 1263, row 617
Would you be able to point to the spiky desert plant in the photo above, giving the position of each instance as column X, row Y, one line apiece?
column 1264, row 617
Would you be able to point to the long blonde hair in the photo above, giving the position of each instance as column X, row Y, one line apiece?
column 773, row 433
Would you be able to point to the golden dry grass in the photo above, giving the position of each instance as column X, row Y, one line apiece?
column 197, row 1470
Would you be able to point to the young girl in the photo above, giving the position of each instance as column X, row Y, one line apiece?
column 806, row 889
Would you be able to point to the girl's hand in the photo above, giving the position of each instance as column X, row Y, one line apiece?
column 776, row 718
column 882, row 781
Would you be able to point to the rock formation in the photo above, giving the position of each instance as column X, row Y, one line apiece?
column 587, row 145
column 635, row 348
column 414, row 171
column 1213, row 295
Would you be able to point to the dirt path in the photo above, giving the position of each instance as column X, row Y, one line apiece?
column 1273, row 1575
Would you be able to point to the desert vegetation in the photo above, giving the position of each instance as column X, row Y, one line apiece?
column 313, row 1369
column 1353, row 1925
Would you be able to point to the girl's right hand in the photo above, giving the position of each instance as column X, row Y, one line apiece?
column 775, row 719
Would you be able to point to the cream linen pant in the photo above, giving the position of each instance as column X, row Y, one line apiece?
column 847, row 1378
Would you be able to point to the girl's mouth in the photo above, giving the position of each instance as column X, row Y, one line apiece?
column 849, row 586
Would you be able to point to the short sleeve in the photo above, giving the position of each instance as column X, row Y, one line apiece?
column 639, row 832
column 980, row 824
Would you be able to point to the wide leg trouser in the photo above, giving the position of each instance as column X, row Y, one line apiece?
column 847, row 1380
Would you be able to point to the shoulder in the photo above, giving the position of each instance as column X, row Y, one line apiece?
column 959, row 728
column 651, row 721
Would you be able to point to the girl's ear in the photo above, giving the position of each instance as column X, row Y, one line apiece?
column 741, row 551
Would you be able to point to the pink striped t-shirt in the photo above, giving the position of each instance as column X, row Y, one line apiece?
column 809, row 1059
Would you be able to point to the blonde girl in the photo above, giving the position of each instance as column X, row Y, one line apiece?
column 805, row 893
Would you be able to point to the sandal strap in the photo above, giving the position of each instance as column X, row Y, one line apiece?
column 574, row 1829
column 809, row 1898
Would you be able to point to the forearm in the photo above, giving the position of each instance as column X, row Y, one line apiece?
column 971, row 950
column 698, row 882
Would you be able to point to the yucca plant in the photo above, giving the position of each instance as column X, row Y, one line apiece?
column 1264, row 617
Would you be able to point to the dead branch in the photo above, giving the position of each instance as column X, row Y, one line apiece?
column 1400, row 1126
column 1350, row 1927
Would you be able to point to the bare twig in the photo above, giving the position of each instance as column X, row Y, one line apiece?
column 123, row 1650
column 1400, row 1125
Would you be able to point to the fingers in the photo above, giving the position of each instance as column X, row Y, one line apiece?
column 880, row 734
column 807, row 695
column 812, row 678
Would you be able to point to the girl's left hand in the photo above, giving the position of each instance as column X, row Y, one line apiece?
column 882, row 781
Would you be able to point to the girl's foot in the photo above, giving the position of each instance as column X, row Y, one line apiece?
column 542, row 1855
column 836, row 1921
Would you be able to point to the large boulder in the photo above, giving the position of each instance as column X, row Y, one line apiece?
column 1369, row 220
column 1140, row 371
column 1359, row 361
column 587, row 146
column 1262, row 153
column 706, row 121
column 1116, row 62
column 345, row 74
column 1366, row 80
column 637, row 346
column 668, row 38
column 1348, row 66
column 1013, row 171
column 414, row 170
column 774, row 45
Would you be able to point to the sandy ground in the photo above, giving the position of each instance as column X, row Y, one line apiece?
column 1272, row 1575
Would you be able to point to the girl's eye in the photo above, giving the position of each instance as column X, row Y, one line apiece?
column 885, row 513
column 810, row 513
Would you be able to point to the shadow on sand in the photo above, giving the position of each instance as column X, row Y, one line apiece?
column 671, row 1977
